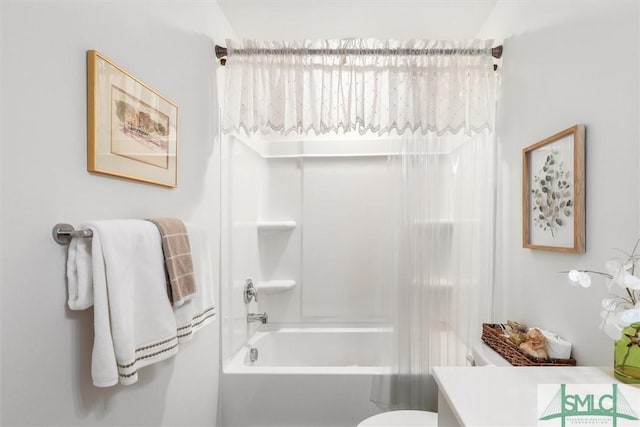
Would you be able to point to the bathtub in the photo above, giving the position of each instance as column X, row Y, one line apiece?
column 312, row 350
column 304, row 376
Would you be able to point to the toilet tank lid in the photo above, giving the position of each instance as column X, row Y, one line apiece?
column 483, row 355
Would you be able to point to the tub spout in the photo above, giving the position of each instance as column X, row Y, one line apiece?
column 257, row 317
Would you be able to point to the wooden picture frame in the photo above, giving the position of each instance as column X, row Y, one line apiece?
column 553, row 192
column 131, row 128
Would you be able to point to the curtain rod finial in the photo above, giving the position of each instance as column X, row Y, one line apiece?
column 496, row 52
column 221, row 51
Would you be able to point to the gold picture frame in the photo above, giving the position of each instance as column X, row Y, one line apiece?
column 131, row 128
column 553, row 192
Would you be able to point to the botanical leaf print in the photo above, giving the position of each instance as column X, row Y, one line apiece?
column 551, row 195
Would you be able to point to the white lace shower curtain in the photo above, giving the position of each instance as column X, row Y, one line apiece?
column 441, row 238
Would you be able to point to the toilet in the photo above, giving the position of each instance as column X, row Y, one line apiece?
column 481, row 355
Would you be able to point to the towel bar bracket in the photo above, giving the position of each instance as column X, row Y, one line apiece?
column 62, row 233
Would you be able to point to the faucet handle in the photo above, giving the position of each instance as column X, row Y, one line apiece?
column 250, row 292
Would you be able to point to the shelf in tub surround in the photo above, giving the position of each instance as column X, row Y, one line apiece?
column 276, row 226
column 275, row 286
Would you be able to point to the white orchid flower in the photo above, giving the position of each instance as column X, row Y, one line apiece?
column 631, row 282
column 609, row 304
column 573, row 276
column 584, row 279
column 614, row 268
column 618, row 272
column 629, row 316
column 613, row 330
column 580, row 277
column 628, row 265
column 604, row 314
column 619, row 310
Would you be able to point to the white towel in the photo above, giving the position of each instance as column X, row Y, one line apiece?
column 79, row 274
column 134, row 325
column 200, row 310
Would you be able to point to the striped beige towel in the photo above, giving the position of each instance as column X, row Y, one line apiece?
column 181, row 283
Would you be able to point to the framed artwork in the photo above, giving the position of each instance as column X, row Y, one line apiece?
column 553, row 191
column 131, row 128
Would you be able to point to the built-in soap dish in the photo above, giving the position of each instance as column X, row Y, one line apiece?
column 275, row 226
column 274, row 286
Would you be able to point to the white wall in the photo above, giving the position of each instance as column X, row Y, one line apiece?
column 47, row 348
column 383, row 19
column 567, row 63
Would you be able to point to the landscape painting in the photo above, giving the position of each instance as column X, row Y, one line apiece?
column 131, row 129
column 138, row 131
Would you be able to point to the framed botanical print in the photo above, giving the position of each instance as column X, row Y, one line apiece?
column 553, row 192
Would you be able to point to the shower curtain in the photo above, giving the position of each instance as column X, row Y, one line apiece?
column 440, row 261
column 441, row 237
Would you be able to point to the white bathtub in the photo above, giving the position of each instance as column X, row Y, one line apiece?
column 313, row 350
column 305, row 376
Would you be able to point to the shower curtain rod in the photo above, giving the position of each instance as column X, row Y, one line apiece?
column 222, row 52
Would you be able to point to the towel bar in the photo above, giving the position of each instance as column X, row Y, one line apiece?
column 62, row 233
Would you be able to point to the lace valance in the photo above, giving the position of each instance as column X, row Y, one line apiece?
column 283, row 92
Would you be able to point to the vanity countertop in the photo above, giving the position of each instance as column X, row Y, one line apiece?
column 503, row 396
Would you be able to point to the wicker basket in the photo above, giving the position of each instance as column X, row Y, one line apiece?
column 492, row 336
